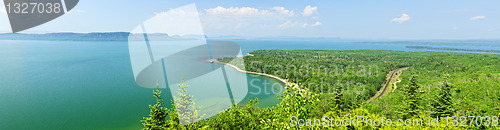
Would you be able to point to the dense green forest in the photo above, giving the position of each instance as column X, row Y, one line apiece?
column 338, row 83
column 474, row 81
column 451, row 49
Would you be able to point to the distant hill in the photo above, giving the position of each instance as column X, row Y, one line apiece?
column 97, row 36
column 111, row 36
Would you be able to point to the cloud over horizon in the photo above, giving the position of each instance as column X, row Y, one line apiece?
column 317, row 24
column 309, row 10
column 250, row 18
column 403, row 18
column 249, row 11
column 288, row 24
column 477, row 17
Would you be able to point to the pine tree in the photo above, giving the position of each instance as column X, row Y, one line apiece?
column 185, row 106
column 158, row 114
column 337, row 98
column 174, row 118
column 412, row 98
column 442, row 105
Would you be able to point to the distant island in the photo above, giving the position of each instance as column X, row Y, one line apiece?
column 451, row 49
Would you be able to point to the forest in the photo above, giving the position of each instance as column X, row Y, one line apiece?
column 451, row 49
column 438, row 90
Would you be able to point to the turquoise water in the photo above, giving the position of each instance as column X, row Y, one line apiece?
column 79, row 85
column 90, row 85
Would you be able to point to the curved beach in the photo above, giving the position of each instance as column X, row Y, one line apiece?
column 244, row 71
column 301, row 91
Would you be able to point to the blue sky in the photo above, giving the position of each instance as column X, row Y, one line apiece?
column 374, row 19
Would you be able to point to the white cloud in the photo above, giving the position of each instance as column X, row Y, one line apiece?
column 477, row 17
column 249, row 11
column 246, row 11
column 283, row 11
column 304, row 25
column 308, row 11
column 224, row 20
column 288, row 24
column 317, row 23
column 403, row 18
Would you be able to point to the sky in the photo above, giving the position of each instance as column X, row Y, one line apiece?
column 367, row 19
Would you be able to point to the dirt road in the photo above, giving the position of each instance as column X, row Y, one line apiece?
column 382, row 90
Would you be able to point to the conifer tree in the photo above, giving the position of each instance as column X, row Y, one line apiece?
column 185, row 105
column 412, row 98
column 337, row 98
column 174, row 118
column 157, row 115
column 442, row 105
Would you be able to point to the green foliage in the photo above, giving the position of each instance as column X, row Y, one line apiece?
column 442, row 103
column 412, row 95
column 185, row 106
column 337, row 100
column 248, row 116
column 294, row 101
column 183, row 115
column 174, row 118
column 157, row 116
column 471, row 89
column 359, row 72
column 297, row 102
column 327, row 102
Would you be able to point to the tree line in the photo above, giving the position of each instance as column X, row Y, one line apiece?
column 436, row 85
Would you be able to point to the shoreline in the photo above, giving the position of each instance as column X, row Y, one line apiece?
column 284, row 81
